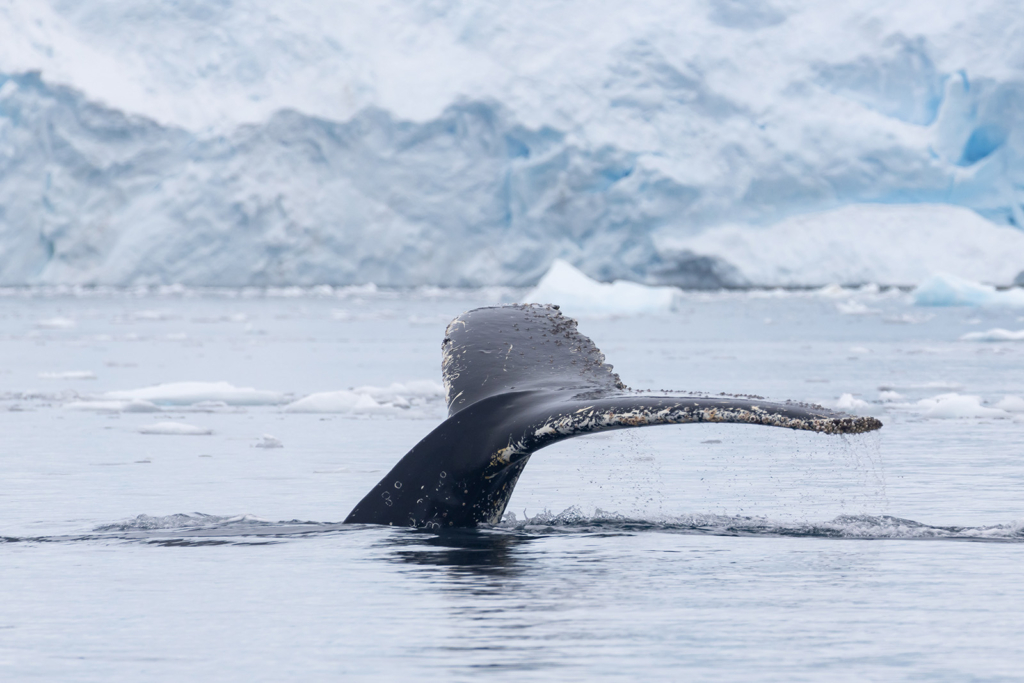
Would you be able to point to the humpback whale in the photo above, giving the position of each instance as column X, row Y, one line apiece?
column 521, row 377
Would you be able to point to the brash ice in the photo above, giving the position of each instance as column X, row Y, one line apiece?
column 521, row 377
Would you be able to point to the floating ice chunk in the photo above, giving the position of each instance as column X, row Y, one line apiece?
column 175, row 428
column 339, row 402
column 954, row 406
column 951, row 290
column 206, row 407
column 994, row 335
column 71, row 374
column 189, row 393
column 833, row 291
column 908, row 318
column 104, row 406
column 416, row 389
column 55, row 324
column 855, row 308
column 268, row 441
column 394, row 399
column 150, row 315
column 927, row 386
column 578, row 295
column 850, row 404
column 1011, row 404
column 98, row 406
column 140, row 406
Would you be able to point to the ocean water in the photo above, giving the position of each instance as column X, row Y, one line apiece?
column 693, row 552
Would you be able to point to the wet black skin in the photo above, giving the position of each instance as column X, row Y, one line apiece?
column 512, row 373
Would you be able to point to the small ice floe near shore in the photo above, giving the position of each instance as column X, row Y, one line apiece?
column 175, row 429
column 70, row 374
column 994, row 335
column 397, row 399
column 950, row 290
column 578, row 295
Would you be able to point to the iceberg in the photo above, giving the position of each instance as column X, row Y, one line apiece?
column 950, row 290
column 580, row 296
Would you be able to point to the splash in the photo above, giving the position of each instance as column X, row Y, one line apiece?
column 868, row 527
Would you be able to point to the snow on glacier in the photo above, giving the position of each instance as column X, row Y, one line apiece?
column 464, row 144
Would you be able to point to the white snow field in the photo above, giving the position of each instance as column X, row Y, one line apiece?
column 690, row 142
column 184, row 526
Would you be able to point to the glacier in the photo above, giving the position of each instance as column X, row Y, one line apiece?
column 694, row 144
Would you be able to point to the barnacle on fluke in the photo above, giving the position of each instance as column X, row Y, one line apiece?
column 521, row 377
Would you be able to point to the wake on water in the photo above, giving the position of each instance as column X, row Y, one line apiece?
column 204, row 529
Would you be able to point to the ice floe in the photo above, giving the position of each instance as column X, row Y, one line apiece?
column 175, row 429
column 944, row 406
column 395, row 399
column 1011, row 404
column 109, row 406
column 955, row 406
column 55, row 323
column 70, row 374
column 994, row 335
column 191, row 393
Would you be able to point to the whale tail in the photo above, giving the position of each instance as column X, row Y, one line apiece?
column 521, row 377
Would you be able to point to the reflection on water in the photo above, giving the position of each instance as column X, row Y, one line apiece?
column 471, row 551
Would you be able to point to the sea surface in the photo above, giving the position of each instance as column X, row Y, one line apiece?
column 131, row 551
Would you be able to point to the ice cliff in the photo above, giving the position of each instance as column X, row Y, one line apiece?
column 691, row 143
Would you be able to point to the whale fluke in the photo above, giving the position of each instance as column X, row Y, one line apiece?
column 518, row 378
